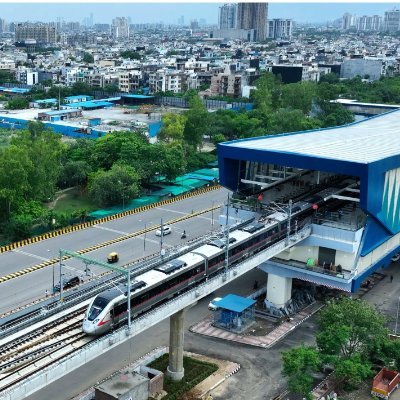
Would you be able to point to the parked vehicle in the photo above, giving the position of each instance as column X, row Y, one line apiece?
column 68, row 282
column 213, row 304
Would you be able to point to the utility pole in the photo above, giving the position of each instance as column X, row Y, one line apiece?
column 129, row 300
column 61, row 283
column 227, row 239
column 289, row 220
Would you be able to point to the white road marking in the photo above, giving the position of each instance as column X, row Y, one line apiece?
column 111, row 230
column 31, row 255
column 183, row 213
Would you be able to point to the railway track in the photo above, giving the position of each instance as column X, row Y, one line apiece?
column 38, row 349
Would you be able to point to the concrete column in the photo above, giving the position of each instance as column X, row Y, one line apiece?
column 175, row 369
column 279, row 290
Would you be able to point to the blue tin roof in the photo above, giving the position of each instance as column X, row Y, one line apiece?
column 90, row 104
column 79, row 96
column 235, row 303
column 60, row 112
column 137, row 96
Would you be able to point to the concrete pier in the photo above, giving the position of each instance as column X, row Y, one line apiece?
column 175, row 369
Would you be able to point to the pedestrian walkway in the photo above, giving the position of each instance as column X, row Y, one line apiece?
column 206, row 328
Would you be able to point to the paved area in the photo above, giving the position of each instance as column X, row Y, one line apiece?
column 205, row 327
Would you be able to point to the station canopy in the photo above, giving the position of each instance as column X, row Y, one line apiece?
column 363, row 142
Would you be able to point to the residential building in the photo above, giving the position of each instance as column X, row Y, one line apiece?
column 227, row 16
column 253, row 16
column 280, row 28
column 227, row 84
column 165, row 80
column 248, row 35
column 392, row 20
column 120, row 28
column 42, row 33
column 130, row 80
column 371, row 69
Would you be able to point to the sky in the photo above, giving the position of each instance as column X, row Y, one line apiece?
column 169, row 12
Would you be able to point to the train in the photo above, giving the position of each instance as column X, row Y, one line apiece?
column 109, row 309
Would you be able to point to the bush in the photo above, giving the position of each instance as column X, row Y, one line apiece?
column 195, row 372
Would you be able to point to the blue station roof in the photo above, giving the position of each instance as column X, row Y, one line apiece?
column 60, row 112
column 369, row 150
column 363, row 142
column 235, row 303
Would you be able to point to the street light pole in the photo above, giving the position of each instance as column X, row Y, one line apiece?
column 289, row 220
column 212, row 216
column 61, row 283
column 129, row 300
column 144, row 239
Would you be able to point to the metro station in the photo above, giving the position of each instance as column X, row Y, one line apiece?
column 343, row 181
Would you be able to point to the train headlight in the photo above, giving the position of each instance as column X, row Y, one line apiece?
column 96, row 320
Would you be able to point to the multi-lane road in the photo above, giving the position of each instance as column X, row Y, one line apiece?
column 30, row 286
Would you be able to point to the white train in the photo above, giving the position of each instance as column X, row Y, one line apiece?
column 109, row 308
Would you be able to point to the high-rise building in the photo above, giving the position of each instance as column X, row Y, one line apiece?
column 120, row 28
column 181, row 20
column 392, row 20
column 253, row 16
column 227, row 16
column 280, row 28
column 369, row 23
column 42, row 33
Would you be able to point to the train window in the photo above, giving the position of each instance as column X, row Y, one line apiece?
column 100, row 302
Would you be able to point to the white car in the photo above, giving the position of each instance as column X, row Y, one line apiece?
column 212, row 305
column 166, row 231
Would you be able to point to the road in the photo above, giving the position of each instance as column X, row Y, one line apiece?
column 26, row 288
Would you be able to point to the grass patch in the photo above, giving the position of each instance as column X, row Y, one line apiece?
column 195, row 372
column 72, row 201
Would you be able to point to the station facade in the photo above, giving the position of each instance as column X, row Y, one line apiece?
column 346, row 182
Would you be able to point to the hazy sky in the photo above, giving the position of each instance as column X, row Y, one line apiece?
column 170, row 12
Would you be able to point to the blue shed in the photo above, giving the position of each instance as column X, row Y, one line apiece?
column 235, row 313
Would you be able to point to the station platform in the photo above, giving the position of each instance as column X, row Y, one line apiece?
column 204, row 327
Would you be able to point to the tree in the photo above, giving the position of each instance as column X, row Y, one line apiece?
column 129, row 54
column 174, row 161
column 196, row 122
column 298, row 96
column 298, row 365
column 173, row 126
column 348, row 327
column 44, row 149
column 351, row 372
column 15, row 168
column 115, row 186
column 81, row 88
column 74, row 173
column 266, row 97
column 111, row 88
column 18, row 103
column 88, row 58
column 6, row 76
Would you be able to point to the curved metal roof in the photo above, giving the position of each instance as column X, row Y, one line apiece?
column 363, row 142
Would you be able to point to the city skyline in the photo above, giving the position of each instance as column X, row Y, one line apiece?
column 167, row 12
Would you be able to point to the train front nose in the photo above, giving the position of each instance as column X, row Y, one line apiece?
column 89, row 327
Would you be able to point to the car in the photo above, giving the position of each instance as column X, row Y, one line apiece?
column 166, row 231
column 212, row 305
column 68, row 282
column 112, row 257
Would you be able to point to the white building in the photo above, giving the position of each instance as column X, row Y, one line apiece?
column 227, row 16
column 392, row 20
column 120, row 28
column 280, row 28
